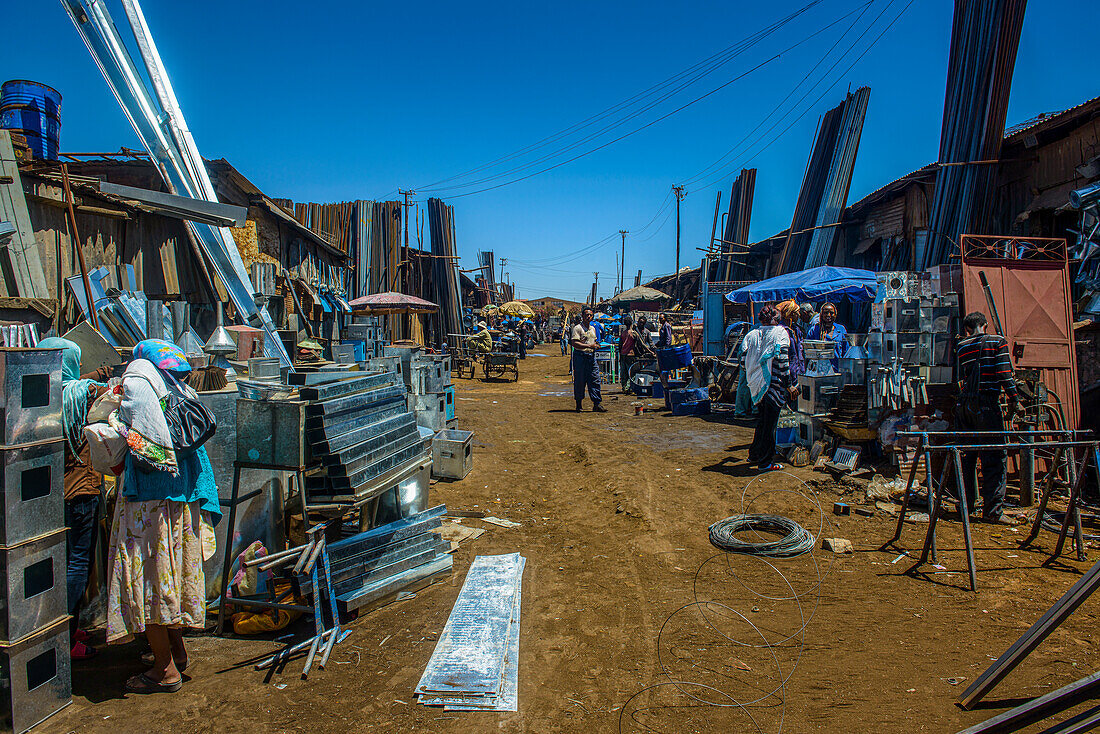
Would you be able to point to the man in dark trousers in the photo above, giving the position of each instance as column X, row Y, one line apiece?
column 586, row 372
column 984, row 371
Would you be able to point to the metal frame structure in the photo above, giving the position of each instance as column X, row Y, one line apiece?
column 158, row 120
column 1025, row 442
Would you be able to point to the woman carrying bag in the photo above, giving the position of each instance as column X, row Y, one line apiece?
column 156, row 583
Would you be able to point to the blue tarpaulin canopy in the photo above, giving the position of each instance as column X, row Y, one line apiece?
column 824, row 283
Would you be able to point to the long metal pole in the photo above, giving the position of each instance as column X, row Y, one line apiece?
column 679, row 195
column 622, row 260
column 79, row 247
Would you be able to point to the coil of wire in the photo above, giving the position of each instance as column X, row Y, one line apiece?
column 794, row 539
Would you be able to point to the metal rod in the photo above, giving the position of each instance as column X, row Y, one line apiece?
column 905, row 497
column 964, row 514
column 273, row 556
column 287, row 652
column 1044, row 495
column 305, row 554
column 79, row 247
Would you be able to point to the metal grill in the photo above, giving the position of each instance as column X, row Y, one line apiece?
column 999, row 247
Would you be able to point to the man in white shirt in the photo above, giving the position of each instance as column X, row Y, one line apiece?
column 586, row 372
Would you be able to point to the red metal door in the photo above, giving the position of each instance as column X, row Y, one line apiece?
column 1029, row 279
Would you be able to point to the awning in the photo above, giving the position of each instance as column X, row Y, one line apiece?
column 824, row 283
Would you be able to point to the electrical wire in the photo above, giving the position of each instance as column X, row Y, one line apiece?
column 710, row 611
column 795, row 539
column 708, row 67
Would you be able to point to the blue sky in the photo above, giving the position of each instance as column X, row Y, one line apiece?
column 331, row 101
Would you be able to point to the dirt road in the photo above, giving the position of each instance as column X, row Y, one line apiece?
column 614, row 511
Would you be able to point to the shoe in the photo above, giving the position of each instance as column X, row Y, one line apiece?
column 598, row 408
column 578, row 406
column 80, row 651
column 998, row 520
column 144, row 684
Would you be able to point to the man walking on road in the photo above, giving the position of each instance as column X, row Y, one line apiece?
column 984, row 370
column 585, row 370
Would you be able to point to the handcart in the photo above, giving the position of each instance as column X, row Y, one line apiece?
column 497, row 364
column 462, row 358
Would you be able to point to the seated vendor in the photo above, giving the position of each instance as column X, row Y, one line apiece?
column 482, row 341
column 827, row 329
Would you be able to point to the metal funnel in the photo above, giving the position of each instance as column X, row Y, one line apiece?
column 220, row 342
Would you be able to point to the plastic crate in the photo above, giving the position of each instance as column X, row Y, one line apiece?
column 692, row 407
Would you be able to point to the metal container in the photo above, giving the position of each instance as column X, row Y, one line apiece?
column 272, row 433
column 452, row 454
column 33, row 586
column 818, row 395
column 417, row 377
column 878, row 316
column 853, row 371
column 386, row 364
column 810, row 430
column 34, row 111
column 450, row 407
column 30, row 396
column 901, row 315
column 35, row 678
column 267, row 369
column 874, row 347
column 912, row 348
column 938, row 319
column 32, row 491
column 405, row 353
column 431, row 411
column 343, row 353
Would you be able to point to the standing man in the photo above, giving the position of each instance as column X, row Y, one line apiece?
column 643, row 331
column 585, row 370
column 984, row 370
column 664, row 332
column 806, row 318
column 521, row 333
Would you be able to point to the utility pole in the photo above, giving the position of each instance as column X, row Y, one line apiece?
column 679, row 191
column 622, row 260
column 504, row 278
column 595, row 288
column 405, row 254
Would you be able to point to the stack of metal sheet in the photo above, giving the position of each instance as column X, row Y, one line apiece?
column 735, row 235
column 34, row 630
column 444, row 286
column 371, row 567
column 360, row 430
column 984, row 38
column 475, row 665
column 825, row 186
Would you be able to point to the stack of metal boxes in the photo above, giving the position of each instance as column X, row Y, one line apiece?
column 365, row 334
column 914, row 325
column 431, row 390
column 35, row 678
column 817, row 390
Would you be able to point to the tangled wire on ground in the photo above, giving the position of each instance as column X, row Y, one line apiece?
column 795, row 541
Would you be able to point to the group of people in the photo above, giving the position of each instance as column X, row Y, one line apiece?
column 165, row 507
column 773, row 359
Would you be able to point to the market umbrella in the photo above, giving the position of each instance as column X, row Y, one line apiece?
column 638, row 294
column 392, row 302
column 516, row 308
column 824, row 283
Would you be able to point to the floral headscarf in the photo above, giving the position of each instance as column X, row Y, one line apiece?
column 165, row 355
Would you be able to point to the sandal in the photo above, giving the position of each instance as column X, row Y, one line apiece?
column 144, row 684
column 770, row 467
column 149, row 659
column 82, row 636
column 80, row 651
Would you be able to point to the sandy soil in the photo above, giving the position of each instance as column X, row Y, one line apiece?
column 614, row 511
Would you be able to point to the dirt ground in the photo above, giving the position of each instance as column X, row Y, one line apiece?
column 614, row 511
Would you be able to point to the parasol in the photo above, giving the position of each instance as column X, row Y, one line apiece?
column 516, row 308
column 638, row 294
column 391, row 302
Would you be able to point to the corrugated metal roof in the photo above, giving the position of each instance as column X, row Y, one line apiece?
column 1050, row 119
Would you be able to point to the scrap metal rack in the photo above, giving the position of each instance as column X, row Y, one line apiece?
column 1022, row 441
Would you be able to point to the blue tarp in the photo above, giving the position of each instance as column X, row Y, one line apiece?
column 825, row 283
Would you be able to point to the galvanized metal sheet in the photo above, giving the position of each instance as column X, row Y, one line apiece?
column 470, row 655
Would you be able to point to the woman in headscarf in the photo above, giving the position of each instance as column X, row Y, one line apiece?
column 83, row 485
column 767, row 373
column 156, row 583
column 791, row 315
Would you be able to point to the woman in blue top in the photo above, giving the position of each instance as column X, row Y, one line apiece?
column 827, row 329
column 156, row 583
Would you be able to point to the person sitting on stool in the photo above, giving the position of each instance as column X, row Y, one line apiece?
column 585, row 369
column 984, row 370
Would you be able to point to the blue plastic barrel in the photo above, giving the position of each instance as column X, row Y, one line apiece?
column 34, row 111
column 674, row 358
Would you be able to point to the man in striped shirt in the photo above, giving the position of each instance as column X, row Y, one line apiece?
column 984, row 371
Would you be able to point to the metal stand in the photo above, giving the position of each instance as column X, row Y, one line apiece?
column 1023, row 441
column 298, row 478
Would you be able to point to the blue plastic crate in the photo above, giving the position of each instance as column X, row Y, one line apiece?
column 692, row 407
